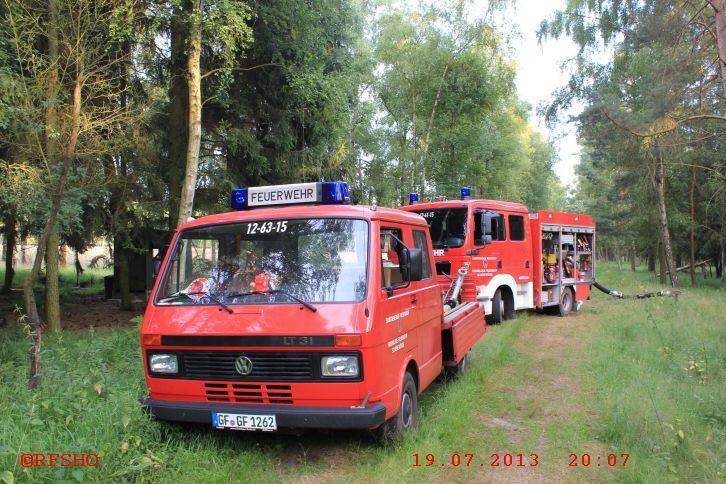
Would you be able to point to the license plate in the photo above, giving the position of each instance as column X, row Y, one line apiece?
column 238, row 421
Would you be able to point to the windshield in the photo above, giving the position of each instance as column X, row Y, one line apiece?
column 269, row 261
column 447, row 226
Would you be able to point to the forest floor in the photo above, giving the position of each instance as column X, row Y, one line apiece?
column 548, row 399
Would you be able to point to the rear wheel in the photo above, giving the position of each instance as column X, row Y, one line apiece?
column 460, row 368
column 567, row 301
column 407, row 415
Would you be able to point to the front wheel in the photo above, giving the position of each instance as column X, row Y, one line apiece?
column 498, row 309
column 405, row 419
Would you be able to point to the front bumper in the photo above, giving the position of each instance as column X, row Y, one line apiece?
column 286, row 416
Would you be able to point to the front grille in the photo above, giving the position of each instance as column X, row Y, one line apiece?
column 248, row 393
column 266, row 365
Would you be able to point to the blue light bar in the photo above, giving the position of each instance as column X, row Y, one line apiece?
column 325, row 193
column 465, row 193
column 413, row 198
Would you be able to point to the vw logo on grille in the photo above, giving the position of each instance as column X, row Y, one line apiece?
column 243, row 365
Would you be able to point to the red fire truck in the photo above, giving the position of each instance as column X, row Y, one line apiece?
column 512, row 259
column 297, row 310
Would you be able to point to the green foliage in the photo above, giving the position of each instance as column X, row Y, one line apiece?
column 658, row 97
column 451, row 117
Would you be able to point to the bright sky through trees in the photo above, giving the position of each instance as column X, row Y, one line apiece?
column 539, row 74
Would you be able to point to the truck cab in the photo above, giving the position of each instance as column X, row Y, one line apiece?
column 298, row 310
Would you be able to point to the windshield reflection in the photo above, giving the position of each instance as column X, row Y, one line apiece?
column 315, row 260
column 446, row 225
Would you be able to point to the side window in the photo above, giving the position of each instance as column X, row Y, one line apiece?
column 498, row 232
column 420, row 242
column 391, row 254
column 516, row 227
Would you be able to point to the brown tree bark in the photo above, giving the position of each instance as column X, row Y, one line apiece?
column 194, row 78
column 719, row 7
column 122, row 264
column 178, row 110
column 63, row 160
column 52, row 289
column 663, row 222
column 11, row 239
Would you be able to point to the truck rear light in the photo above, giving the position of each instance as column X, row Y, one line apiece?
column 151, row 340
column 348, row 340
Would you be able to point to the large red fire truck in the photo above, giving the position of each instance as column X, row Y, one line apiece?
column 511, row 259
column 297, row 310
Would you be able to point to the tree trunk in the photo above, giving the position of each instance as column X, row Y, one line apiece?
column 52, row 290
column 633, row 256
column 62, row 256
column 57, row 193
column 11, row 236
column 663, row 222
column 178, row 111
column 662, row 265
column 651, row 260
column 122, row 264
column 719, row 7
column 430, row 126
column 186, row 200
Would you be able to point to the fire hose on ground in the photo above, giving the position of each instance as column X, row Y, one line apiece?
column 645, row 295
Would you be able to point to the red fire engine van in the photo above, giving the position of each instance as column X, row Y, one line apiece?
column 514, row 259
column 299, row 311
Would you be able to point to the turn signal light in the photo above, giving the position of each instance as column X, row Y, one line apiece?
column 348, row 340
column 151, row 340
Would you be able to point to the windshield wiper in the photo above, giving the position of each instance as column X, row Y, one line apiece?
column 206, row 294
column 276, row 291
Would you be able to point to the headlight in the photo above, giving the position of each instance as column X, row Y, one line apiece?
column 163, row 364
column 339, row 366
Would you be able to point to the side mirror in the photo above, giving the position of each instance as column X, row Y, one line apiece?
column 415, row 264
column 486, row 228
column 158, row 259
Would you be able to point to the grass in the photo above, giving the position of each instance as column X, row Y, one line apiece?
column 90, row 284
column 660, row 368
column 651, row 379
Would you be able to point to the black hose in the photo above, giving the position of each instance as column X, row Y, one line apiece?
column 645, row 295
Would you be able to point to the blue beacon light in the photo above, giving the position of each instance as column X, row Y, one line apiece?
column 334, row 193
column 413, row 198
column 465, row 193
column 239, row 199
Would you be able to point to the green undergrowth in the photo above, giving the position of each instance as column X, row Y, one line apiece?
column 659, row 366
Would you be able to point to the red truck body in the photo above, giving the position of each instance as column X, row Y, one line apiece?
column 529, row 260
column 324, row 327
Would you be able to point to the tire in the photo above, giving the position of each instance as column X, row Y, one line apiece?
column 405, row 420
column 509, row 312
column 462, row 367
column 567, row 302
column 498, row 309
